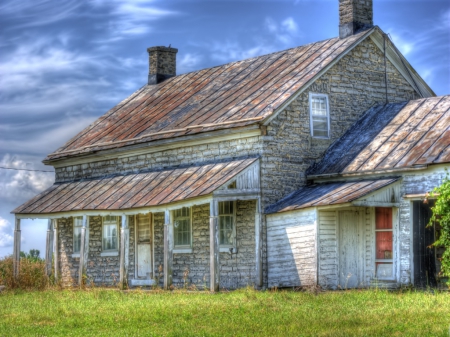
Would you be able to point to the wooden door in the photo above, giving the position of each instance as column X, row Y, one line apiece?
column 143, row 246
column 350, row 266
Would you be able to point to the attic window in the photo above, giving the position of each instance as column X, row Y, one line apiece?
column 320, row 115
column 232, row 185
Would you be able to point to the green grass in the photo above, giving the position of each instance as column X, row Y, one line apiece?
column 103, row 312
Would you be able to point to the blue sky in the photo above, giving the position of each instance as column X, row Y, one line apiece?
column 65, row 63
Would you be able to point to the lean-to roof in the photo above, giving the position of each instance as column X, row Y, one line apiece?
column 326, row 194
column 392, row 136
column 146, row 189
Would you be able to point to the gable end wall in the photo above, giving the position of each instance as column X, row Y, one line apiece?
column 353, row 85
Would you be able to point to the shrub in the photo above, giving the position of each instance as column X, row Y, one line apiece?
column 31, row 274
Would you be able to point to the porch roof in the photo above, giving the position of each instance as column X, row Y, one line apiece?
column 328, row 194
column 144, row 189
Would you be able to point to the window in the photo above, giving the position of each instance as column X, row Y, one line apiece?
column 182, row 227
column 110, row 233
column 320, row 117
column 77, row 224
column 383, row 243
column 226, row 223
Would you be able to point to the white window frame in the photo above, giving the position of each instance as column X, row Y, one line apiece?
column 80, row 220
column 182, row 248
column 387, row 261
column 223, row 247
column 314, row 95
column 114, row 251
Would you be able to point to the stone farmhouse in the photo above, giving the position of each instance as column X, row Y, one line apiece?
column 305, row 166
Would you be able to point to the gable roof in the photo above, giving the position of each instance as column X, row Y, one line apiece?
column 392, row 136
column 326, row 194
column 146, row 189
column 232, row 95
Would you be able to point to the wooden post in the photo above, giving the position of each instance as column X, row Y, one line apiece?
column 258, row 245
column 55, row 233
column 124, row 252
column 168, row 250
column 214, row 252
column 84, row 250
column 16, row 252
column 49, row 248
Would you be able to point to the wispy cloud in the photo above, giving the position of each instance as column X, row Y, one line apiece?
column 6, row 230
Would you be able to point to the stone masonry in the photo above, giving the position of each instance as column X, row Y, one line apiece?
column 101, row 270
column 162, row 64
column 236, row 270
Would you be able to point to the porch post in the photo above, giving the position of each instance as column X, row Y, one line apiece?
column 55, row 233
column 258, row 245
column 124, row 251
column 214, row 253
column 84, row 250
column 49, row 248
column 168, row 250
column 16, row 252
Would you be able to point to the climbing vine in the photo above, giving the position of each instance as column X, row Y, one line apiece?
column 441, row 214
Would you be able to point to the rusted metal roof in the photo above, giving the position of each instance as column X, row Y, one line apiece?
column 328, row 194
column 233, row 95
column 120, row 192
column 392, row 136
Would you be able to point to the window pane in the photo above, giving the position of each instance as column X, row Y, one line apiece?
column 110, row 236
column 383, row 245
column 226, row 230
column 143, row 222
column 76, row 239
column 319, row 116
column 383, row 217
column 384, row 270
column 182, row 227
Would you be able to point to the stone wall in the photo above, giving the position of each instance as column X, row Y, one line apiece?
column 353, row 85
column 356, row 11
column 237, row 270
column 170, row 158
column 101, row 270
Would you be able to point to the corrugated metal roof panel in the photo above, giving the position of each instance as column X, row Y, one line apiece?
column 328, row 194
column 135, row 190
column 392, row 136
column 238, row 94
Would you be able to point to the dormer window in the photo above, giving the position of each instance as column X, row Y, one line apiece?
column 320, row 115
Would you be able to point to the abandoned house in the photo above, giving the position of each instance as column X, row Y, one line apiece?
column 305, row 166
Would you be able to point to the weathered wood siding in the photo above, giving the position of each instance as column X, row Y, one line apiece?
column 328, row 246
column 291, row 245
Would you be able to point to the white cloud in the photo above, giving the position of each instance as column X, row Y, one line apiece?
column 285, row 31
column 6, row 231
column 21, row 185
column 290, row 25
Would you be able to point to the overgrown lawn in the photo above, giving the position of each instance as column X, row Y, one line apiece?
column 105, row 312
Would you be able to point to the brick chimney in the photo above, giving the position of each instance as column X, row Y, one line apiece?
column 162, row 64
column 354, row 16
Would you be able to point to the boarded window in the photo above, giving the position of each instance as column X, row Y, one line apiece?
column 77, row 224
column 110, row 233
column 384, row 243
column 319, row 115
column 226, row 223
column 182, row 227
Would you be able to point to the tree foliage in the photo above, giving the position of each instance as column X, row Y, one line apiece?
column 33, row 255
column 441, row 214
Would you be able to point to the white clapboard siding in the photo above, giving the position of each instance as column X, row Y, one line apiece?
column 328, row 263
column 291, row 248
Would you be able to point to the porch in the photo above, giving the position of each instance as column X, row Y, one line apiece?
column 200, row 225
